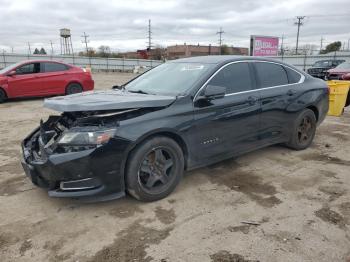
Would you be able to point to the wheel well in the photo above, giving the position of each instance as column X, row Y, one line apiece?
column 315, row 110
column 4, row 91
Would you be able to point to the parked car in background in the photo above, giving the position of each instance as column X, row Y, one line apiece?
column 35, row 78
column 178, row 116
column 319, row 69
column 341, row 72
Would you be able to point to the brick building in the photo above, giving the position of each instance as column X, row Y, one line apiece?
column 179, row 51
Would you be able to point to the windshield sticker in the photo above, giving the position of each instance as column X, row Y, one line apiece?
column 192, row 67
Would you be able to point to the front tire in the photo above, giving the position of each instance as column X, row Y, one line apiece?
column 73, row 88
column 154, row 169
column 2, row 96
column 303, row 131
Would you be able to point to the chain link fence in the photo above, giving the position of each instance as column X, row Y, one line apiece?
column 96, row 63
column 302, row 62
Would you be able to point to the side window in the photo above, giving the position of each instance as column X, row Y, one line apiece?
column 54, row 67
column 293, row 77
column 235, row 77
column 270, row 74
column 28, row 69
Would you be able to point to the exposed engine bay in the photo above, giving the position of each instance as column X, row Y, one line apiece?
column 45, row 140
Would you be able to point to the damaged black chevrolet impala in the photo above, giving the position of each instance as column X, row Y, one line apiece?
column 178, row 116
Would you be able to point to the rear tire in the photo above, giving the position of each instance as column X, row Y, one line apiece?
column 154, row 169
column 347, row 103
column 304, row 130
column 73, row 88
column 3, row 96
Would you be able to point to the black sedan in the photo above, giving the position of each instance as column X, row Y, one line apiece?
column 178, row 116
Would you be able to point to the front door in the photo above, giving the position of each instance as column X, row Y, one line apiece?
column 228, row 125
column 26, row 81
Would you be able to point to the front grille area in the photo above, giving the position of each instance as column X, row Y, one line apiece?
column 315, row 70
column 334, row 77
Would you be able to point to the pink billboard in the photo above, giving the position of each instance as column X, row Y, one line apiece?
column 264, row 46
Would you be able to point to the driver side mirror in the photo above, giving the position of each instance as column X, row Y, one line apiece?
column 11, row 73
column 213, row 92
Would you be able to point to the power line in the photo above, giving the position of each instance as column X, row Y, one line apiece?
column 299, row 23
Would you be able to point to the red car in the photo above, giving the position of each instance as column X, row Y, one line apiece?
column 43, row 78
column 341, row 72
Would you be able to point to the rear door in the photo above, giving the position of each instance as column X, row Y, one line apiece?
column 228, row 125
column 26, row 81
column 279, row 88
column 55, row 78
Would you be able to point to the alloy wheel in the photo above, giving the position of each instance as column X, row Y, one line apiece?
column 305, row 130
column 156, row 170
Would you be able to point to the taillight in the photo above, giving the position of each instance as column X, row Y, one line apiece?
column 87, row 70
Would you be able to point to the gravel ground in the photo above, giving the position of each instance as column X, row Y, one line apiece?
column 300, row 202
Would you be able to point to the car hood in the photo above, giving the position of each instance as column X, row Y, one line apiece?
column 320, row 67
column 339, row 71
column 106, row 100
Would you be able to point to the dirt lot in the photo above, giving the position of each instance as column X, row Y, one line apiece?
column 301, row 201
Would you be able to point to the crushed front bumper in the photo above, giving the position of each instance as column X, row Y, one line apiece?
column 93, row 172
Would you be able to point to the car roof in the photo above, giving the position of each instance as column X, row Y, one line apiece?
column 41, row 61
column 219, row 59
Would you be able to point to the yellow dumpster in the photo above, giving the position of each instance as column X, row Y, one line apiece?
column 338, row 92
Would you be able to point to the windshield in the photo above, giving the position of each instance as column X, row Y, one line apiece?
column 9, row 68
column 321, row 64
column 345, row 65
column 169, row 78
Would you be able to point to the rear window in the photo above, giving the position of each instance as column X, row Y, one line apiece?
column 270, row 74
column 293, row 76
column 54, row 67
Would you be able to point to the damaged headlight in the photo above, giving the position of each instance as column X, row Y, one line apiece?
column 86, row 137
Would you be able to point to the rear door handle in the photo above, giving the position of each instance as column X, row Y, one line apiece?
column 291, row 92
column 252, row 100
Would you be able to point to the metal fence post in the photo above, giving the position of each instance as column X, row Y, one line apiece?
column 3, row 55
column 304, row 62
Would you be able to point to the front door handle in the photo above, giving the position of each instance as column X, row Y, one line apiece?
column 252, row 100
column 291, row 92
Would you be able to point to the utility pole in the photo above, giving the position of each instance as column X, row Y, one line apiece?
column 299, row 23
column 322, row 39
column 220, row 33
column 149, row 44
column 348, row 44
column 282, row 39
column 12, row 49
column 29, row 49
column 51, row 47
column 85, row 41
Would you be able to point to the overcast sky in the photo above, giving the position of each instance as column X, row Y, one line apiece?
column 123, row 24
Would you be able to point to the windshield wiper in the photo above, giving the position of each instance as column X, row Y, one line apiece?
column 138, row 92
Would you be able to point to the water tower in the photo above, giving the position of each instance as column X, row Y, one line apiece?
column 66, row 42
